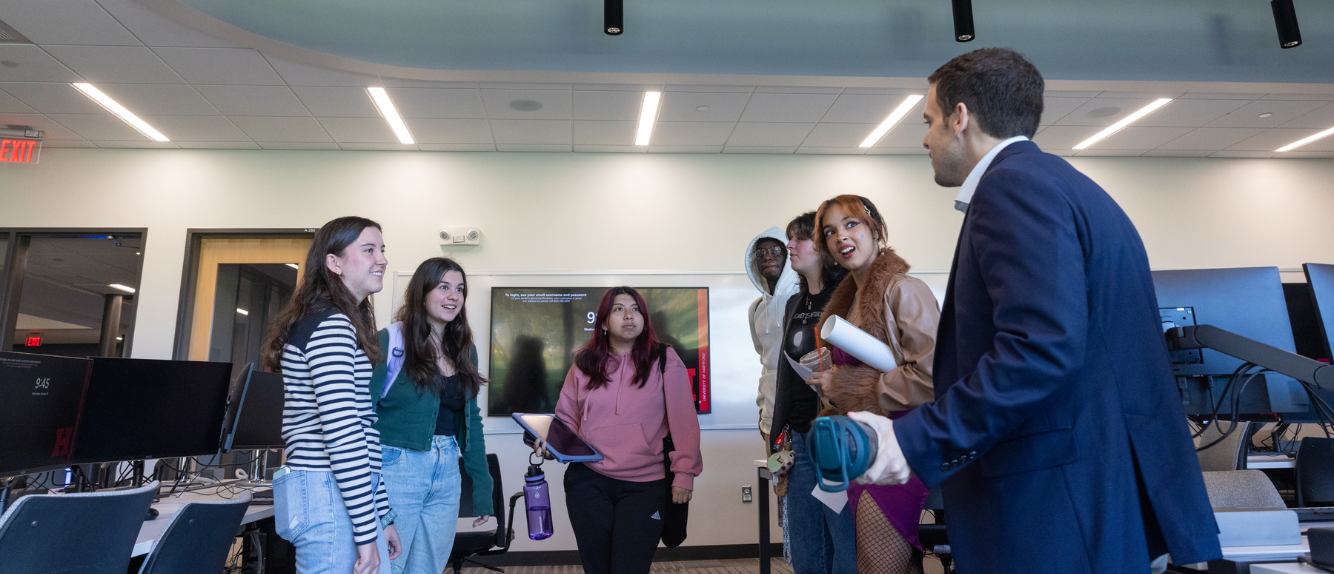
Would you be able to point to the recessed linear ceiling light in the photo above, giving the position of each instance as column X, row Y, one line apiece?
column 1116, row 127
column 893, row 119
column 390, row 113
column 242, row 311
column 115, row 108
column 647, row 116
column 1307, row 140
column 120, row 287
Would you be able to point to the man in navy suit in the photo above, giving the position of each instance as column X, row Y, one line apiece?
column 1057, row 433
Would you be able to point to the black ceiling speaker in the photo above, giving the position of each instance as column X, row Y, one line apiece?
column 963, row 20
column 613, row 16
column 1285, row 19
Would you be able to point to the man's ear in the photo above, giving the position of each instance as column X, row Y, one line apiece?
column 961, row 118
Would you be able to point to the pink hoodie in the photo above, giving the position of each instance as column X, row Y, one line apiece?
column 627, row 423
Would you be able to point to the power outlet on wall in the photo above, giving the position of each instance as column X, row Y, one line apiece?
column 745, row 494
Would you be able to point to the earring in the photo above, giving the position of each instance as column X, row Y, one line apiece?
column 604, row 332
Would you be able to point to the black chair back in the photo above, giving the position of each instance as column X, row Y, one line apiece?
column 91, row 532
column 1315, row 472
column 198, row 538
column 497, row 496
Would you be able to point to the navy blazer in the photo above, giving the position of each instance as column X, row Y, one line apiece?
column 1057, row 432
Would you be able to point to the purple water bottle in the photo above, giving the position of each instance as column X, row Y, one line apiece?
column 538, row 503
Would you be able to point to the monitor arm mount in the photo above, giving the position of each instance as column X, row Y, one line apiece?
column 1273, row 358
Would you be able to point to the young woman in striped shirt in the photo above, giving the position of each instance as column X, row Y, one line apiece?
column 328, row 498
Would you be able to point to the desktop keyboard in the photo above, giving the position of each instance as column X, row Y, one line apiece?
column 1315, row 514
column 265, row 496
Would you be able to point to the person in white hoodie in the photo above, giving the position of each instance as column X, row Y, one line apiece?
column 767, row 265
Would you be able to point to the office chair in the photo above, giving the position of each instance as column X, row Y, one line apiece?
column 935, row 537
column 88, row 533
column 1315, row 472
column 1241, row 489
column 198, row 538
column 484, row 542
column 1229, row 454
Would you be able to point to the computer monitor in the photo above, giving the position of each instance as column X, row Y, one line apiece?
column 143, row 408
column 1320, row 278
column 257, row 423
column 39, row 410
column 1246, row 301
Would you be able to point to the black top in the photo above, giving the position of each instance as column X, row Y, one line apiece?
column 796, row 404
column 451, row 405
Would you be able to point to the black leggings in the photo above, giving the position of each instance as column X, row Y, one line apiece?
column 617, row 523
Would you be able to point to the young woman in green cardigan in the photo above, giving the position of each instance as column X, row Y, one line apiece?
column 428, row 414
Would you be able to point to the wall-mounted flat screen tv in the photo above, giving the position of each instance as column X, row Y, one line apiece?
column 535, row 332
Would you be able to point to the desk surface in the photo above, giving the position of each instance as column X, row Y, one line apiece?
column 170, row 505
column 1286, row 568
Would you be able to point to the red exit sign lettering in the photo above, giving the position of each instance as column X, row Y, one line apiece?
column 35, row 341
column 20, row 151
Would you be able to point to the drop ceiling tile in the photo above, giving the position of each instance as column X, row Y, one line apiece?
column 909, row 133
column 135, row 144
column 53, row 98
column 281, row 129
column 816, row 150
column 838, row 135
column 325, row 146
column 1308, row 154
column 1071, row 93
column 641, row 88
column 1213, row 139
column 159, row 99
column 708, row 88
column 154, row 29
column 594, row 148
column 1054, row 109
column 115, row 64
column 900, row 92
column 371, row 146
column 1270, row 140
column 1321, row 118
column 858, row 108
column 54, row 131
column 197, row 128
column 1151, row 95
column 798, row 90
column 1062, row 152
column 406, row 83
column 1114, row 108
column 1053, row 138
column 1222, row 96
column 66, row 22
column 298, row 74
column 1190, row 113
column 1140, row 138
column 458, row 147
column 607, row 105
column 1243, row 154
column 338, row 102
column 80, row 143
column 523, row 86
column 1324, row 144
column 531, row 132
column 897, row 151
column 1110, row 152
column 555, row 105
column 760, row 150
column 454, row 103
column 219, row 145
column 359, row 130
column 1312, row 96
column 452, row 132
column 237, row 66
column 99, row 127
column 684, row 106
column 254, row 100
column 769, row 134
column 11, row 105
column 526, row 148
column 1282, row 111
column 774, row 108
column 685, row 149
column 706, row 134
column 1163, row 152
column 35, row 65
column 614, row 133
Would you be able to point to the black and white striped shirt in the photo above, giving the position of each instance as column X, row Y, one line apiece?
column 327, row 414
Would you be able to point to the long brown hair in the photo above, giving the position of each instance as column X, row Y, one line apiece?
column 419, row 355
column 592, row 358
column 320, row 287
column 855, row 206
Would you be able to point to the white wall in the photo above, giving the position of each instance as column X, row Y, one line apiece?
column 628, row 213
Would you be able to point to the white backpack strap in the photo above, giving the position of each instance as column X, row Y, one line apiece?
column 395, row 356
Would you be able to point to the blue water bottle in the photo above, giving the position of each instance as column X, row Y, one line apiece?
column 537, row 501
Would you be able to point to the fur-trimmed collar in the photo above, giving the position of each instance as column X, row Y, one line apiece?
column 872, row 303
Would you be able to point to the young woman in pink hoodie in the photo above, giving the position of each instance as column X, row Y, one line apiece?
column 621, row 399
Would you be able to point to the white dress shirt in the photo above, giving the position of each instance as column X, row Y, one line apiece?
column 974, row 177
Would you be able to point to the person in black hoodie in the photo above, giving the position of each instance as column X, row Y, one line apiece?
column 821, row 539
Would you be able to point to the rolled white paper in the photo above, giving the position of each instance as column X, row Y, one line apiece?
column 858, row 343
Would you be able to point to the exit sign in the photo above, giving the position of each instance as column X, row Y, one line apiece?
column 35, row 341
column 19, row 150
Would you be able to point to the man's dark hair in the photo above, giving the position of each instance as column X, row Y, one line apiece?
column 1001, row 89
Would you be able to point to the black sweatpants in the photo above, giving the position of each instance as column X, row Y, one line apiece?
column 617, row 523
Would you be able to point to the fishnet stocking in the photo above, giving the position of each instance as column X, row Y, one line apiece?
column 880, row 548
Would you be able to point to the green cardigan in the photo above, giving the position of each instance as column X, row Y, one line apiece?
column 407, row 420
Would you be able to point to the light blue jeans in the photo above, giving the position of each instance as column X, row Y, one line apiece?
column 823, row 542
column 308, row 511
column 424, row 489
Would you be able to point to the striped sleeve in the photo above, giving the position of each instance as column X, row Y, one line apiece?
column 331, row 354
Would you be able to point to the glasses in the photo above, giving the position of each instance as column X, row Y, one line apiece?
column 775, row 251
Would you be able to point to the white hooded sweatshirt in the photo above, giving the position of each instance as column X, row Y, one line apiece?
column 766, row 322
